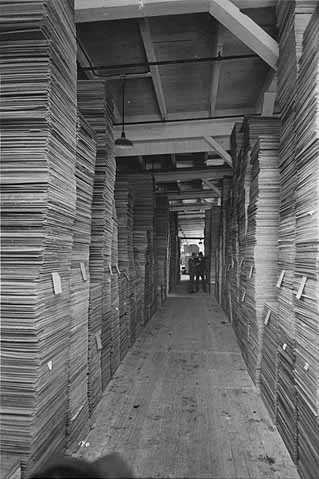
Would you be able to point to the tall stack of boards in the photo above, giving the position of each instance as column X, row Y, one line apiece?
column 78, row 257
column 270, row 271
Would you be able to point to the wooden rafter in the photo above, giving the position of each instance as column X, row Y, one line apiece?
column 178, row 130
column 102, row 10
column 217, row 147
column 151, row 57
column 215, row 73
column 244, row 28
column 189, row 174
column 189, row 195
column 166, row 147
column 212, row 187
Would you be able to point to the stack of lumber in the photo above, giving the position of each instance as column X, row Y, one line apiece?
column 237, row 139
column 161, row 235
column 115, row 320
column 38, row 158
column 269, row 358
column 214, row 248
column 242, row 268
column 79, row 294
column 144, row 204
column 124, row 211
column 174, row 251
column 227, row 262
column 306, row 287
column 261, row 242
column 292, row 18
column 95, row 104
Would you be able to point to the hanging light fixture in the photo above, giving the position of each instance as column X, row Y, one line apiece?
column 123, row 142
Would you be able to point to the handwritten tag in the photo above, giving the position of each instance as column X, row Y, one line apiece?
column 251, row 271
column 267, row 318
column 243, row 296
column 83, row 271
column 50, row 365
column 301, row 287
column 284, row 346
column 57, row 285
column 280, row 279
column 98, row 341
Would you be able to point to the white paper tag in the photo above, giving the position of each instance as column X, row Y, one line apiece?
column 301, row 287
column 50, row 365
column 83, row 271
column 280, row 279
column 267, row 318
column 57, row 285
column 251, row 271
column 98, row 341
column 306, row 367
column 284, row 346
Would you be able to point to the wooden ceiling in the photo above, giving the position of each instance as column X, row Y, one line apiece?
column 166, row 104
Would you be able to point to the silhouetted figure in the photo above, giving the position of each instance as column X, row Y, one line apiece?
column 201, row 271
column 192, row 269
column 110, row 466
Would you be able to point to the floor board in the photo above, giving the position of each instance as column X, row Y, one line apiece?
column 183, row 405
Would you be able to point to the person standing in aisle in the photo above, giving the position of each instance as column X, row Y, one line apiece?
column 201, row 271
column 192, row 269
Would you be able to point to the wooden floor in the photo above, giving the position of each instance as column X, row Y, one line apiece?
column 182, row 403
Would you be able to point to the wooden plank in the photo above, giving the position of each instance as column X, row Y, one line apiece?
column 216, row 66
column 217, row 147
column 188, row 174
column 212, row 187
column 244, row 28
column 102, row 10
column 189, row 145
column 188, row 195
column 151, row 57
column 178, row 129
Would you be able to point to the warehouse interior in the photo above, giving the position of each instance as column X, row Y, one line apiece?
column 132, row 130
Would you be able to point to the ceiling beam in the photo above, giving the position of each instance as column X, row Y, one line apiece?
column 128, row 76
column 215, row 73
column 189, row 174
column 244, row 28
column 166, row 147
column 178, row 130
column 189, row 195
column 102, row 10
column 151, row 57
column 214, row 188
column 217, row 147
column 200, row 208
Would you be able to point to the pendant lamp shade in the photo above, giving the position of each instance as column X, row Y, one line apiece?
column 123, row 142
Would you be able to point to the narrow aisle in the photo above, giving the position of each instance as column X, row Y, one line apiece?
column 183, row 405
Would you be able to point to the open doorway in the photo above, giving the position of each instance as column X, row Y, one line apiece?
column 187, row 247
